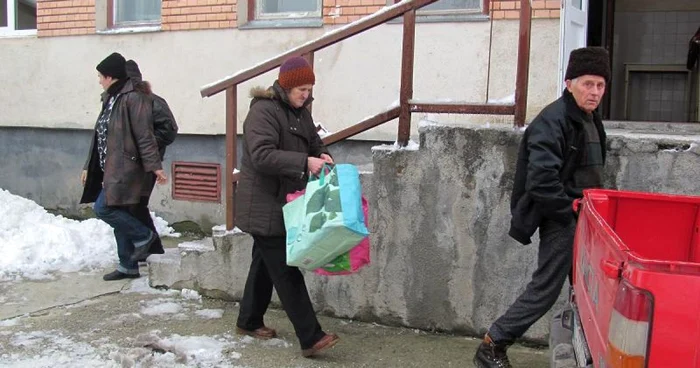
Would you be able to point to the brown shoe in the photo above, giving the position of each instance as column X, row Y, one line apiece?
column 263, row 333
column 326, row 342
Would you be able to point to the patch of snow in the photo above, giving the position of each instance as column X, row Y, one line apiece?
column 236, row 171
column 161, row 307
column 679, row 149
column 199, row 351
column 10, row 322
column 162, row 227
column 276, row 343
column 322, row 131
column 130, row 30
column 202, row 245
column 191, row 294
column 53, row 349
column 505, row 100
column 141, row 286
column 220, row 230
column 210, row 313
column 411, row 146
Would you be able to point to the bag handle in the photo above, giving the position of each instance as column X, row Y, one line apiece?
column 322, row 176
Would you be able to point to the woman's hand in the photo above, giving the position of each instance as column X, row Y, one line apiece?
column 83, row 177
column 327, row 158
column 161, row 178
column 314, row 165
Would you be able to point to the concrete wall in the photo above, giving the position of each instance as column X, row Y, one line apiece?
column 52, row 83
column 44, row 165
column 441, row 257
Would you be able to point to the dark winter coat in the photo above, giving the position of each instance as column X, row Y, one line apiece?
column 549, row 154
column 277, row 141
column 132, row 152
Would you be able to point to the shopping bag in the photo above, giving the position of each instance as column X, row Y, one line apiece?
column 327, row 220
column 351, row 261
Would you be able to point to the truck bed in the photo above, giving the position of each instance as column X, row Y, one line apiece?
column 637, row 279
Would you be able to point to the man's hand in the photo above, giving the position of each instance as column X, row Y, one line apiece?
column 161, row 178
column 83, row 177
column 327, row 158
column 314, row 165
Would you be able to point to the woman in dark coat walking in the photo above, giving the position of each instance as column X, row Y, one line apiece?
column 123, row 157
column 280, row 149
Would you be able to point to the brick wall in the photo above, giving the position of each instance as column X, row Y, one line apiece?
column 77, row 17
column 65, row 17
column 199, row 14
column 510, row 9
column 348, row 11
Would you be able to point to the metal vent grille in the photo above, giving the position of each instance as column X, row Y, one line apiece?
column 193, row 181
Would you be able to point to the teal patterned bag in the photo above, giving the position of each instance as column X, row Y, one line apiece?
column 327, row 220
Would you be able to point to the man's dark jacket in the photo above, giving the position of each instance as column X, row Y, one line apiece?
column 549, row 153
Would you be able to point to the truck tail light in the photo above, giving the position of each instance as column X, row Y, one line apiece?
column 630, row 322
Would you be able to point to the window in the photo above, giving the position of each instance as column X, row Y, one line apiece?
column 451, row 10
column 18, row 17
column 452, row 6
column 130, row 13
column 277, row 9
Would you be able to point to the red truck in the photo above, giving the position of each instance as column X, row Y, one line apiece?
column 635, row 301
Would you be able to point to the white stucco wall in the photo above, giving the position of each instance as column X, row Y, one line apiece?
column 52, row 82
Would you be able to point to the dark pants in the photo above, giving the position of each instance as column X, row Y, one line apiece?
column 554, row 262
column 269, row 268
column 143, row 214
column 128, row 232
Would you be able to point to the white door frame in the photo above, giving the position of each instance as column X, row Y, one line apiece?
column 573, row 24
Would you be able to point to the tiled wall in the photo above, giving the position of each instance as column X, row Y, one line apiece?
column 652, row 38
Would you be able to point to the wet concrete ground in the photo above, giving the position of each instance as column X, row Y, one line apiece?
column 78, row 320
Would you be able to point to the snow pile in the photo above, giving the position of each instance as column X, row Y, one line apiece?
column 163, row 228
column 191, row 294
column 35, row 243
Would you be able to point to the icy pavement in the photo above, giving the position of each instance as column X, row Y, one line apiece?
column 138, row 326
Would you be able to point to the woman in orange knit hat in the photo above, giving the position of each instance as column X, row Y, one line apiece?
column 280, row 149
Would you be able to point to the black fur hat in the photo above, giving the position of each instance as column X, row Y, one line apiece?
column 113, row 66
column 588, row 61
column 133, row 71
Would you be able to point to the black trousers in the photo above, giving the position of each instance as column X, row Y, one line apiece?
column 554, row 262
column 269, row 268
column 142, row 213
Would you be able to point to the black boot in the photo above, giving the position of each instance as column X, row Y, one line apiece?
column 142, row 252
column 491, row 354
column 116, row 275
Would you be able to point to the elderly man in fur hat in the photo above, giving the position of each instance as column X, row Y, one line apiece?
column 561, row 153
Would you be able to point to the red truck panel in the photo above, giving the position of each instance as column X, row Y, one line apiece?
column 653, row 240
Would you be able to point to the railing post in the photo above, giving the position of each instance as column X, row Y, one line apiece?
column 407, row 55
column 523, row 69
column 310, row 58
column 231, row 150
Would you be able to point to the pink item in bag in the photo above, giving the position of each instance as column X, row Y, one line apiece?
column 351, row 261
